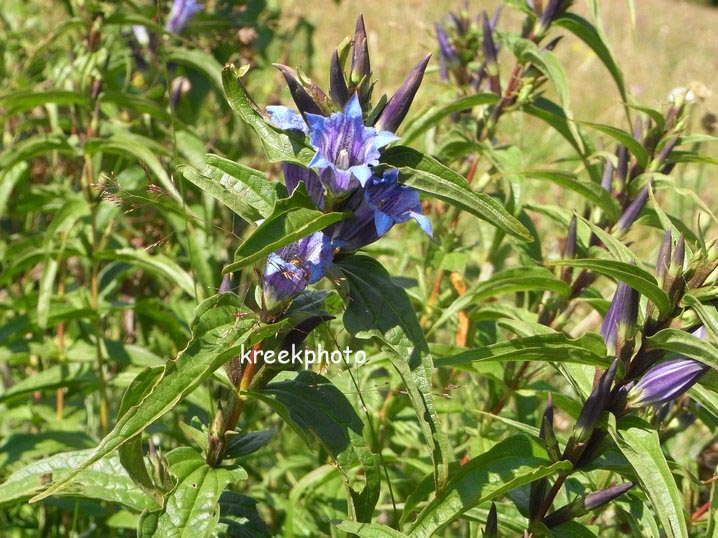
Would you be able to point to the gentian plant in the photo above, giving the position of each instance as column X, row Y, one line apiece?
column 463, row 307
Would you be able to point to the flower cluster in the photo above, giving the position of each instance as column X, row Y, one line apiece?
column 345, row 174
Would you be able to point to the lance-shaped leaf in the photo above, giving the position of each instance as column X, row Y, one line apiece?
column 316, row 409
column 244, row 190
column 641, row 446
column 640, row 280
column 279, row 145
column 378, row 309
column 220, row 328
column 686, row 344
column 292, row 219
column 517, row 461
column 430, row 176
column 552, row 347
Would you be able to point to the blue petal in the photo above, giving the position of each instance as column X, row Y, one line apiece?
column 315, row 121
column 383, row 138
column 423, row 221
column 286, row 118
column 353, row 107
column 318, row 161
column 383, row 222
column 362, row 173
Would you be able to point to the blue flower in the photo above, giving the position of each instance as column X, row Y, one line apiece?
column 382, row 203
column 287, row 119
column 291, row 269
column 393, row 202
column 180, row 14
column 346, row 148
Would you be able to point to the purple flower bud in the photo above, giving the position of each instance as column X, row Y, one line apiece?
column 666, row 150
column 632, row 211
column 337, row 85
column 447, row 54
column 620, row 318
column 305, row 103
column 291, row 269
column 679, row 256
column 226, row 285
column 607, row 178
column 490, row 53
column 664, row 255
column 346, row 148
column 492, row 523
column 360, row 57
column 591, row 411
column 622, row 165
column 583, row 505
column 180, row 14
column 398, row 106
column 668, row 380
column 569, row 249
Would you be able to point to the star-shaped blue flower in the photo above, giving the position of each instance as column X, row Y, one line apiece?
column 346, row 148
column 393, row 202
column 180, row 14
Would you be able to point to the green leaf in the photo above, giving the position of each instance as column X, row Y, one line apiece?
column 279, row 145
column 21, row 101
column 222, row 326
column 244, row 190
column 32, row 147
column 315, row 408
column 622, row 137
column 369, row 530
column 292, row 219
column 590, row 35
column 378, row 309
column 157, row 264
column 552, row 347
column 435, row 114
column 507, row 281
column 640, row 280
column 677, row 341
column 198, row 60
column 192, row 508
column 131, row 453
column 510, row 464
column 641, row 446
column 546, row 62
column 105, row 479
column 552, row 114
column 589, row 190
column 430, row 176
column 70, row 375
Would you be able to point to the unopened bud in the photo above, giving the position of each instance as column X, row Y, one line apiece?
column 583, row 505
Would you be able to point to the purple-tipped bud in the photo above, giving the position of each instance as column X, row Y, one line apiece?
column 226, row 285
column 180, row 14
column 549, row 13
column 619, row 325
column 360, row 56
column 666, row 150
column 632, row 211
column 622, row 164
column 337, row 85
column 583, row 505
column 552, row 44
column 607, row 178
column 495, row 17
column 666, row 381
column 664, row 255
column 492, row 523
column 591, row 411
column 490, row 53
column 305, row 103
column 447, row 54
column 569, row 249
column 398, row 106
column 679, row 257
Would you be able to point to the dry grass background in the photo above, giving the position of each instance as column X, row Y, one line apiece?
column 673, row 43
